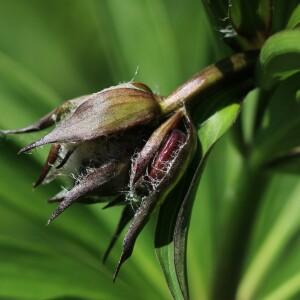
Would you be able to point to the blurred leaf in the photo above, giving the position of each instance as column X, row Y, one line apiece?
column 282, row 11
column 245, row 18
column 214, row 128
column 276, row 258
column 28, row 247
column 265, row 11
column 174, row 217
column 218, row 12
column 210, row 214
column 281, row 124
column 241, row 23
column 174, row 271
column 56, row 50
column 51, row 255
column 294, row 20
column 218, row 7
column 286, row 163
column 280, row 57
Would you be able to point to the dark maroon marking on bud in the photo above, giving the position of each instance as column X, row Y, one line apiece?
column 166, row 154
column 153, row 144
column 52, row 157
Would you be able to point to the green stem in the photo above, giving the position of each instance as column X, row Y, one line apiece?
column 251, row 189
column 212, row 76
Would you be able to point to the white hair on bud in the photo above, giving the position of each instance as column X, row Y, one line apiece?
column 135, row 73
column 228, row 31
column 151, row 184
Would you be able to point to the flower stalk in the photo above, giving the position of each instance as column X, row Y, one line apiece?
column 207, row 79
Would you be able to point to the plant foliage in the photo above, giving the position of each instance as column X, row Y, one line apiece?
column 239, row 201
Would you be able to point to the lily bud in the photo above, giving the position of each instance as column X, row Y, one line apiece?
column 156, row 170
column 107, row 145
column 94, row 140
column 99, row 168
column 89, row 117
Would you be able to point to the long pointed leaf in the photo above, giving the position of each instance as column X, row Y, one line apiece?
column 174, row 216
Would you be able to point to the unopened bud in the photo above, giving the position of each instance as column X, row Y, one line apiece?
column 156, row 170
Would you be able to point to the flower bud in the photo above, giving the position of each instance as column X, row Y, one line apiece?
column 99, row 142
column 156, row 170
column 107, row 112
column 99, row 168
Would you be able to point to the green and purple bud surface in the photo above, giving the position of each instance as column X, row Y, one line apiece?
column 119, row 148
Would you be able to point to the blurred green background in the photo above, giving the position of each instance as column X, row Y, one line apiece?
column 51, row 51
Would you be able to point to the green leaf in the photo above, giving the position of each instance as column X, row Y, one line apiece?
column 55, row 50
column 241, row 23
column 275, row 261
column 294, row 20
column 174, row 216
column 282, row 11
column 244, row 16
column 47, row 254
column 280, row 57
column 214, row 127
column 280, row 128
column 286, row 163
column 218, row 13
column 174, row 263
